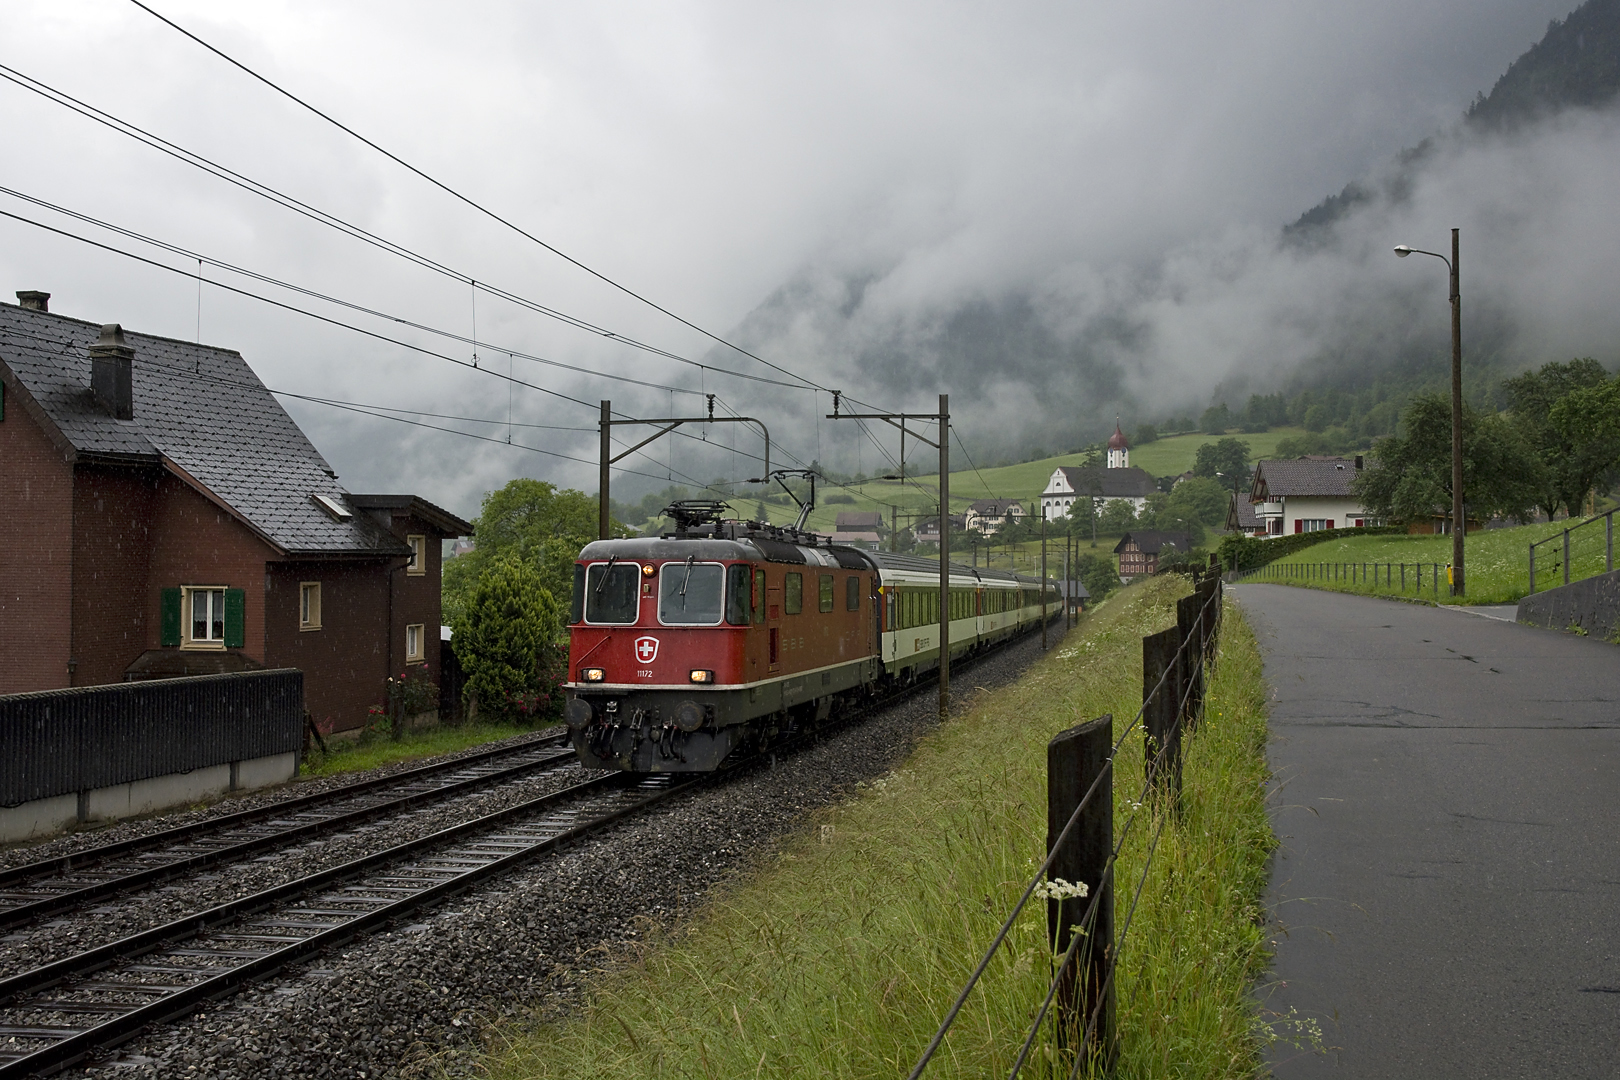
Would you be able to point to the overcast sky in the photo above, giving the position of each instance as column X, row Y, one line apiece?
column 726, row 160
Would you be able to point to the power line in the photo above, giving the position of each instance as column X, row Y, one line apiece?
column 314, row 294
column 452, row 192
column 322, row 217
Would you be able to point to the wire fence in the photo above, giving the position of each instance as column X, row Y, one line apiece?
column 1081, row 843
column 1392, row 578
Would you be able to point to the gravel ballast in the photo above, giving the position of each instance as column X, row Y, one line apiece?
column 418, row 1000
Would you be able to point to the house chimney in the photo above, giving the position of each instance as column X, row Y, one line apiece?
column 1358, row 462
column 111, row 372
column 34, row 301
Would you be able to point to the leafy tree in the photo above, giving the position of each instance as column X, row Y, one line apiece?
column 1216, row 419
column 502, row 639
column 1097, row 573
column 1409, row 477
column 531, row 521
column 1316, row 418
column 1194, row 504
column 1588, row 421
column 1226, row 462
column 1117, row 516
column 1572, row 460
column 1144, row 434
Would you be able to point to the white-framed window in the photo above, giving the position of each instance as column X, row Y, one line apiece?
column 415, row 643
column 1312, row 524
column 418, row 563
column 205, row 616
column 309, row 605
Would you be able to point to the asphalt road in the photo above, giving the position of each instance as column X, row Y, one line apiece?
column 1447, row 793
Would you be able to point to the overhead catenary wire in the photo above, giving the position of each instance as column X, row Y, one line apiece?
column 472, row 203
column 339, row 224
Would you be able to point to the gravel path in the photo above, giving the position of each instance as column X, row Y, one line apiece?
column 417, row 1001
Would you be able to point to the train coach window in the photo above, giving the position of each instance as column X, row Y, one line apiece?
column 739, row 581
column 852, row 593
column 824, row 589
column 689, row 593
column 793, row 592
column 612, row 592
column 759, row 597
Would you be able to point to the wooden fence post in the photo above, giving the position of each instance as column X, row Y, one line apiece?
column 1161, row 750
column 1074, row 760
column 1192, row 661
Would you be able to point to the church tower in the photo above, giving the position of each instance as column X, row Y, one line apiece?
column 1119, row 451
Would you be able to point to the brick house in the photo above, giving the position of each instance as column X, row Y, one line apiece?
column 1139, row 552
column 161, row 515
column 1306, row 494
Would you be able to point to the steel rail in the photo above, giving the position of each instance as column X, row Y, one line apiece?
column 360, row 896
column 86, row 875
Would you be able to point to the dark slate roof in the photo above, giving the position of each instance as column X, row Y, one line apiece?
column 417, row 507
column 1131, row 483
column 1242, row 514
column 994, row 507
column 1306, row 477
column 202, row 413
column 1152, row 541
column 859, row 520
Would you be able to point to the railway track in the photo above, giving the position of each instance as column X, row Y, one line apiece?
column 63, row 884
column 57, row 1015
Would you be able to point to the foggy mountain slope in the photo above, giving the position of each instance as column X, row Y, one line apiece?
column 1044, row 356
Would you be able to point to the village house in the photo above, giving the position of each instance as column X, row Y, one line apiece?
column 1306, row 494
column 162, row 515
column 859, row 528
column 926, row 531
column 1242, row 518
column 1118, row 479
column 988, row 515
column 1141, row 551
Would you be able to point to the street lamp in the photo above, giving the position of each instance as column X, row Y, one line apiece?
column 1457, row 514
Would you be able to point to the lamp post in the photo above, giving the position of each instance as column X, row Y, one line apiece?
column 1459, row 522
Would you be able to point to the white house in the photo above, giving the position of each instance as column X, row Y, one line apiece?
column 1119, row 480
column 988, row 515
column 1306, row 494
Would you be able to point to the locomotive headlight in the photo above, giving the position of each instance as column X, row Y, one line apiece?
column 592, row 674
column 648, row 569
column 701, row 676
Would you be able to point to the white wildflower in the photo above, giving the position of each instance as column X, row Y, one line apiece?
column 1058, row 889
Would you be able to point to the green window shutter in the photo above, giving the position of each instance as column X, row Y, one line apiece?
column 235, row 618
column 169, row 619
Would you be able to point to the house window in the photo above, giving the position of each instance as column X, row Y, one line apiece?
column 309, row 605
column 415, row 643
column 205, row 617
column 418, row 563
column 1305, row 525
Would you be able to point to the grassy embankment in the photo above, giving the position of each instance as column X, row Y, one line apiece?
column 1497, row 561
column 371, row 751
column 838, row 957
column 1024, row 481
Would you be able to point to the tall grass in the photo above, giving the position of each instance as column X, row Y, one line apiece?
column 1497, row 563
column 838, row 958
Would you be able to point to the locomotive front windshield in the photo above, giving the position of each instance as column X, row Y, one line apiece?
column 690, row 593
column 612, row 592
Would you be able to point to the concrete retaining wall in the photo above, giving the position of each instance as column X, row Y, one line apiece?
column 1593, row 605
column 44, row 817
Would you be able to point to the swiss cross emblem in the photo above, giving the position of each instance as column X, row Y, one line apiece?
column 646, row 649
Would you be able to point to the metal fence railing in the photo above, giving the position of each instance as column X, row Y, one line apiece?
column 1568, row 560
column 56, row 742
column 1402, row 578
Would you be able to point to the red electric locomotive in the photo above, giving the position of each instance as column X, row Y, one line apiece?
column 718, row 636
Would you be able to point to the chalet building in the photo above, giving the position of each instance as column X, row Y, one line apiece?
column 988, row 515
column 859, row 521
column 162, row 515
column 1243, row 519
column 1306, row 495
column 926, row 531
column 1140, row 551
column 1119, row 479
